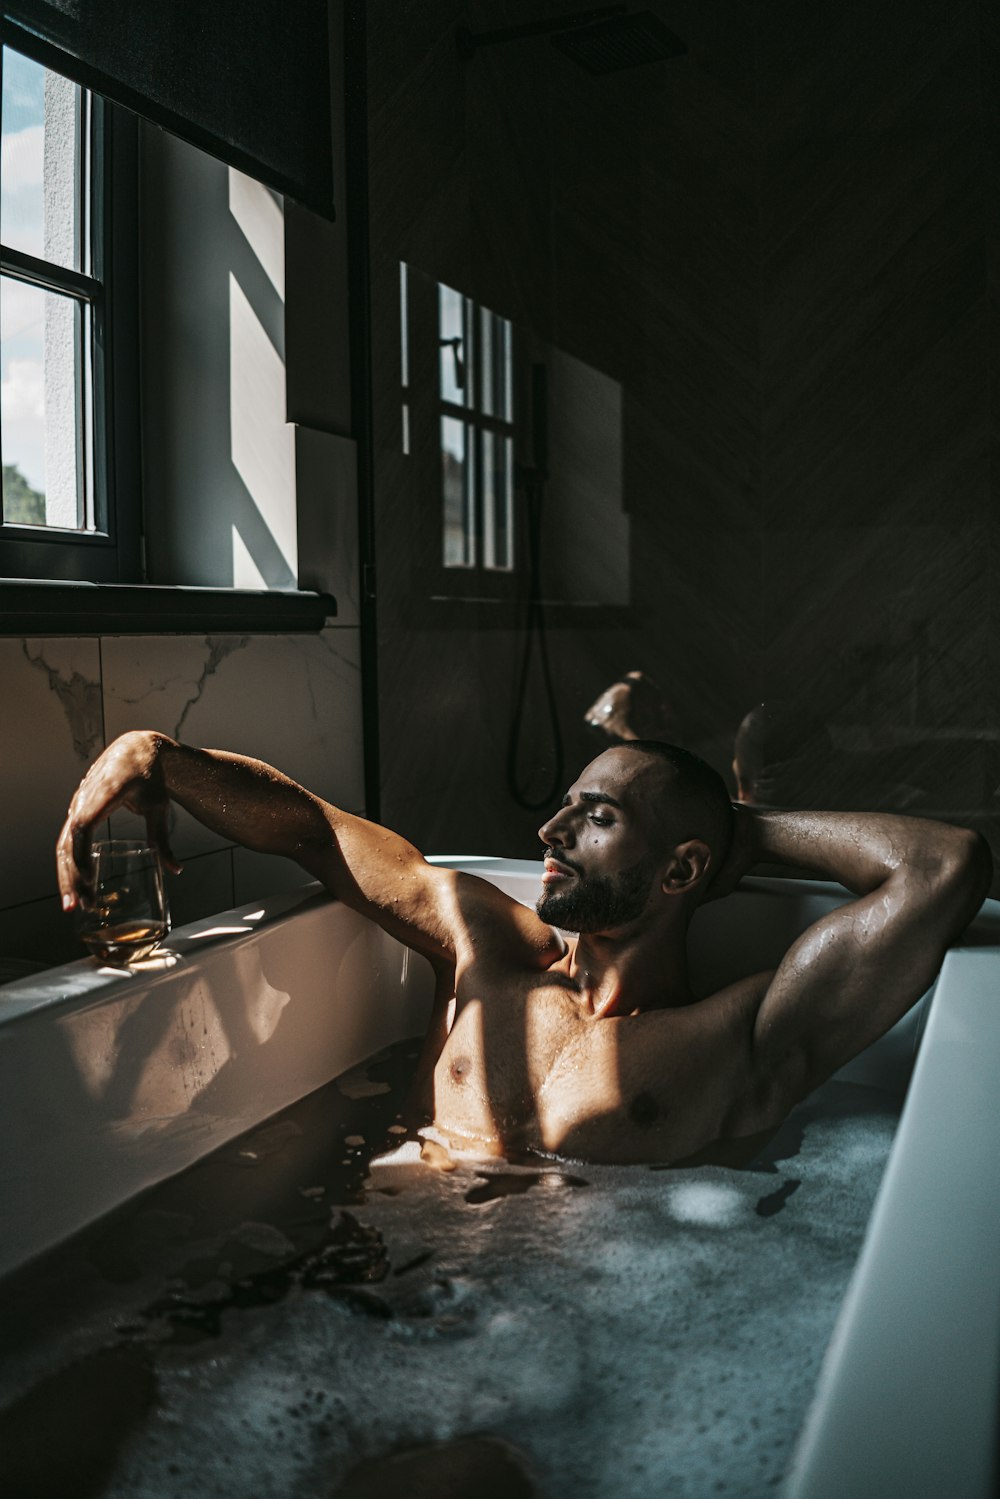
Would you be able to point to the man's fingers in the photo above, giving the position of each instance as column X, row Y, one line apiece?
column 73, row 866
column 66, row 873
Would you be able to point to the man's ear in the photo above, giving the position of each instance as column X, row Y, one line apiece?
column 689, row 864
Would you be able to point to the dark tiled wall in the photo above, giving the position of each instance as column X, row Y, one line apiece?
column 783, row 246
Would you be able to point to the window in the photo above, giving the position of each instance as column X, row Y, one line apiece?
column 458, row 424
column 62, row 441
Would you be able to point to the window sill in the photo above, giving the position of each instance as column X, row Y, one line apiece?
column 32, row 608
column 435, row 612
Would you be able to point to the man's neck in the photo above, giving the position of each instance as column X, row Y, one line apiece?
column 619, row 973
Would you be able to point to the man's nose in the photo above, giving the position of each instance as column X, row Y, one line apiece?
column 555, row 831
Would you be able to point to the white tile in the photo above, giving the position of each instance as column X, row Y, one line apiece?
column 50, row 730
column 291, row 700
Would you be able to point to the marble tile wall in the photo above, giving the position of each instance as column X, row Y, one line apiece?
column 293, row 701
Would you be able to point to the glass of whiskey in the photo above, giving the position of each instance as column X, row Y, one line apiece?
column 128, row 914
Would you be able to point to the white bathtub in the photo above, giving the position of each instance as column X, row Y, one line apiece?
column 114, row 1081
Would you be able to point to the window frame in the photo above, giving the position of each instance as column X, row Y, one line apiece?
column 424, row 408
column 112, row 554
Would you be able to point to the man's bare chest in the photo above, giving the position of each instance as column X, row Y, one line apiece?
column 528, row 1066
column 503, row 1046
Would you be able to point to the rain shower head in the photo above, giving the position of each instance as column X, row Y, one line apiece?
column 601, row 41
column 621, row 42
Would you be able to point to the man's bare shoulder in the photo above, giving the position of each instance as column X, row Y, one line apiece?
column 493, row 928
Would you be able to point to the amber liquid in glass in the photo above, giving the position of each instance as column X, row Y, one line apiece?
column 127, row 942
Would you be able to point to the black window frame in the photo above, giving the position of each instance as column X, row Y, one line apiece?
column 424, row 409
column 112, row 554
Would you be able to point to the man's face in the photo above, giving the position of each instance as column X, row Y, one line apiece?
column 601, row 862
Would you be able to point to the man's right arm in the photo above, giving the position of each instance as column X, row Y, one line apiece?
column 245, row 801
column 857, row 970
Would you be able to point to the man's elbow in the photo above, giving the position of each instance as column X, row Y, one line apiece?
column 965, row 873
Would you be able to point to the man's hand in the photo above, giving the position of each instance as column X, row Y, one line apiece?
column 128, row 774
column 741, row 856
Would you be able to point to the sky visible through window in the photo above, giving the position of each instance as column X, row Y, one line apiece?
column 21, row 226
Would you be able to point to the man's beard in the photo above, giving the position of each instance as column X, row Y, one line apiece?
column 599, row 902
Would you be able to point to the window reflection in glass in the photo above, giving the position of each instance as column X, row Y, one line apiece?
column 459, row 523
column 505, row 370
column 453, row 329
column 487, row 384
column 473, row 412
column 498, row 501
column 404, row 352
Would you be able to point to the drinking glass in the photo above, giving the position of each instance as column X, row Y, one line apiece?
column 128, row 916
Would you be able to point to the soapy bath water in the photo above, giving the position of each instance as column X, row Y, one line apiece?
column 321, row 1309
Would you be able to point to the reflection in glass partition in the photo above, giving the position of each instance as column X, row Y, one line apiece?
column 498, row 500
column 486, row 355
column 404, row 353
column 472, row 405
column 453, row 338
column 496, row 372
column 470, row 381
column 459, row 528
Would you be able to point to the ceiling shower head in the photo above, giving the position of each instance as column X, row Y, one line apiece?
column 601, row 41
column 626, row 41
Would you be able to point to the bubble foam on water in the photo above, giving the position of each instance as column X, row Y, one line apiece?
column 707, row 1204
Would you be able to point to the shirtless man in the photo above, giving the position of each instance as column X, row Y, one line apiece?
column 595, row 1047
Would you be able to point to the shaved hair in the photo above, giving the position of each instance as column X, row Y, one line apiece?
column 697, row 804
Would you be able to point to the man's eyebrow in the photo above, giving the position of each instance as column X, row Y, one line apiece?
column 600, row 796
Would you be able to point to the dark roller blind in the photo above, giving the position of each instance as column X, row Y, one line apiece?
column 246, row 80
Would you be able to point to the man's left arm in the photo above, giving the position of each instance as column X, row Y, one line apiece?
column 856, row 971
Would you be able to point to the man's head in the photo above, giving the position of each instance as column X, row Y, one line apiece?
column 781, row 757
column 639, row 834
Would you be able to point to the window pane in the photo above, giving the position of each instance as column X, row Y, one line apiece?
column 459, row 529
column 41, row 161
column 404, row 324
column 404, row 350
column 505, row 369
column 453, row 344
column 486, row 355
column 498, row 501
column 42, row 399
